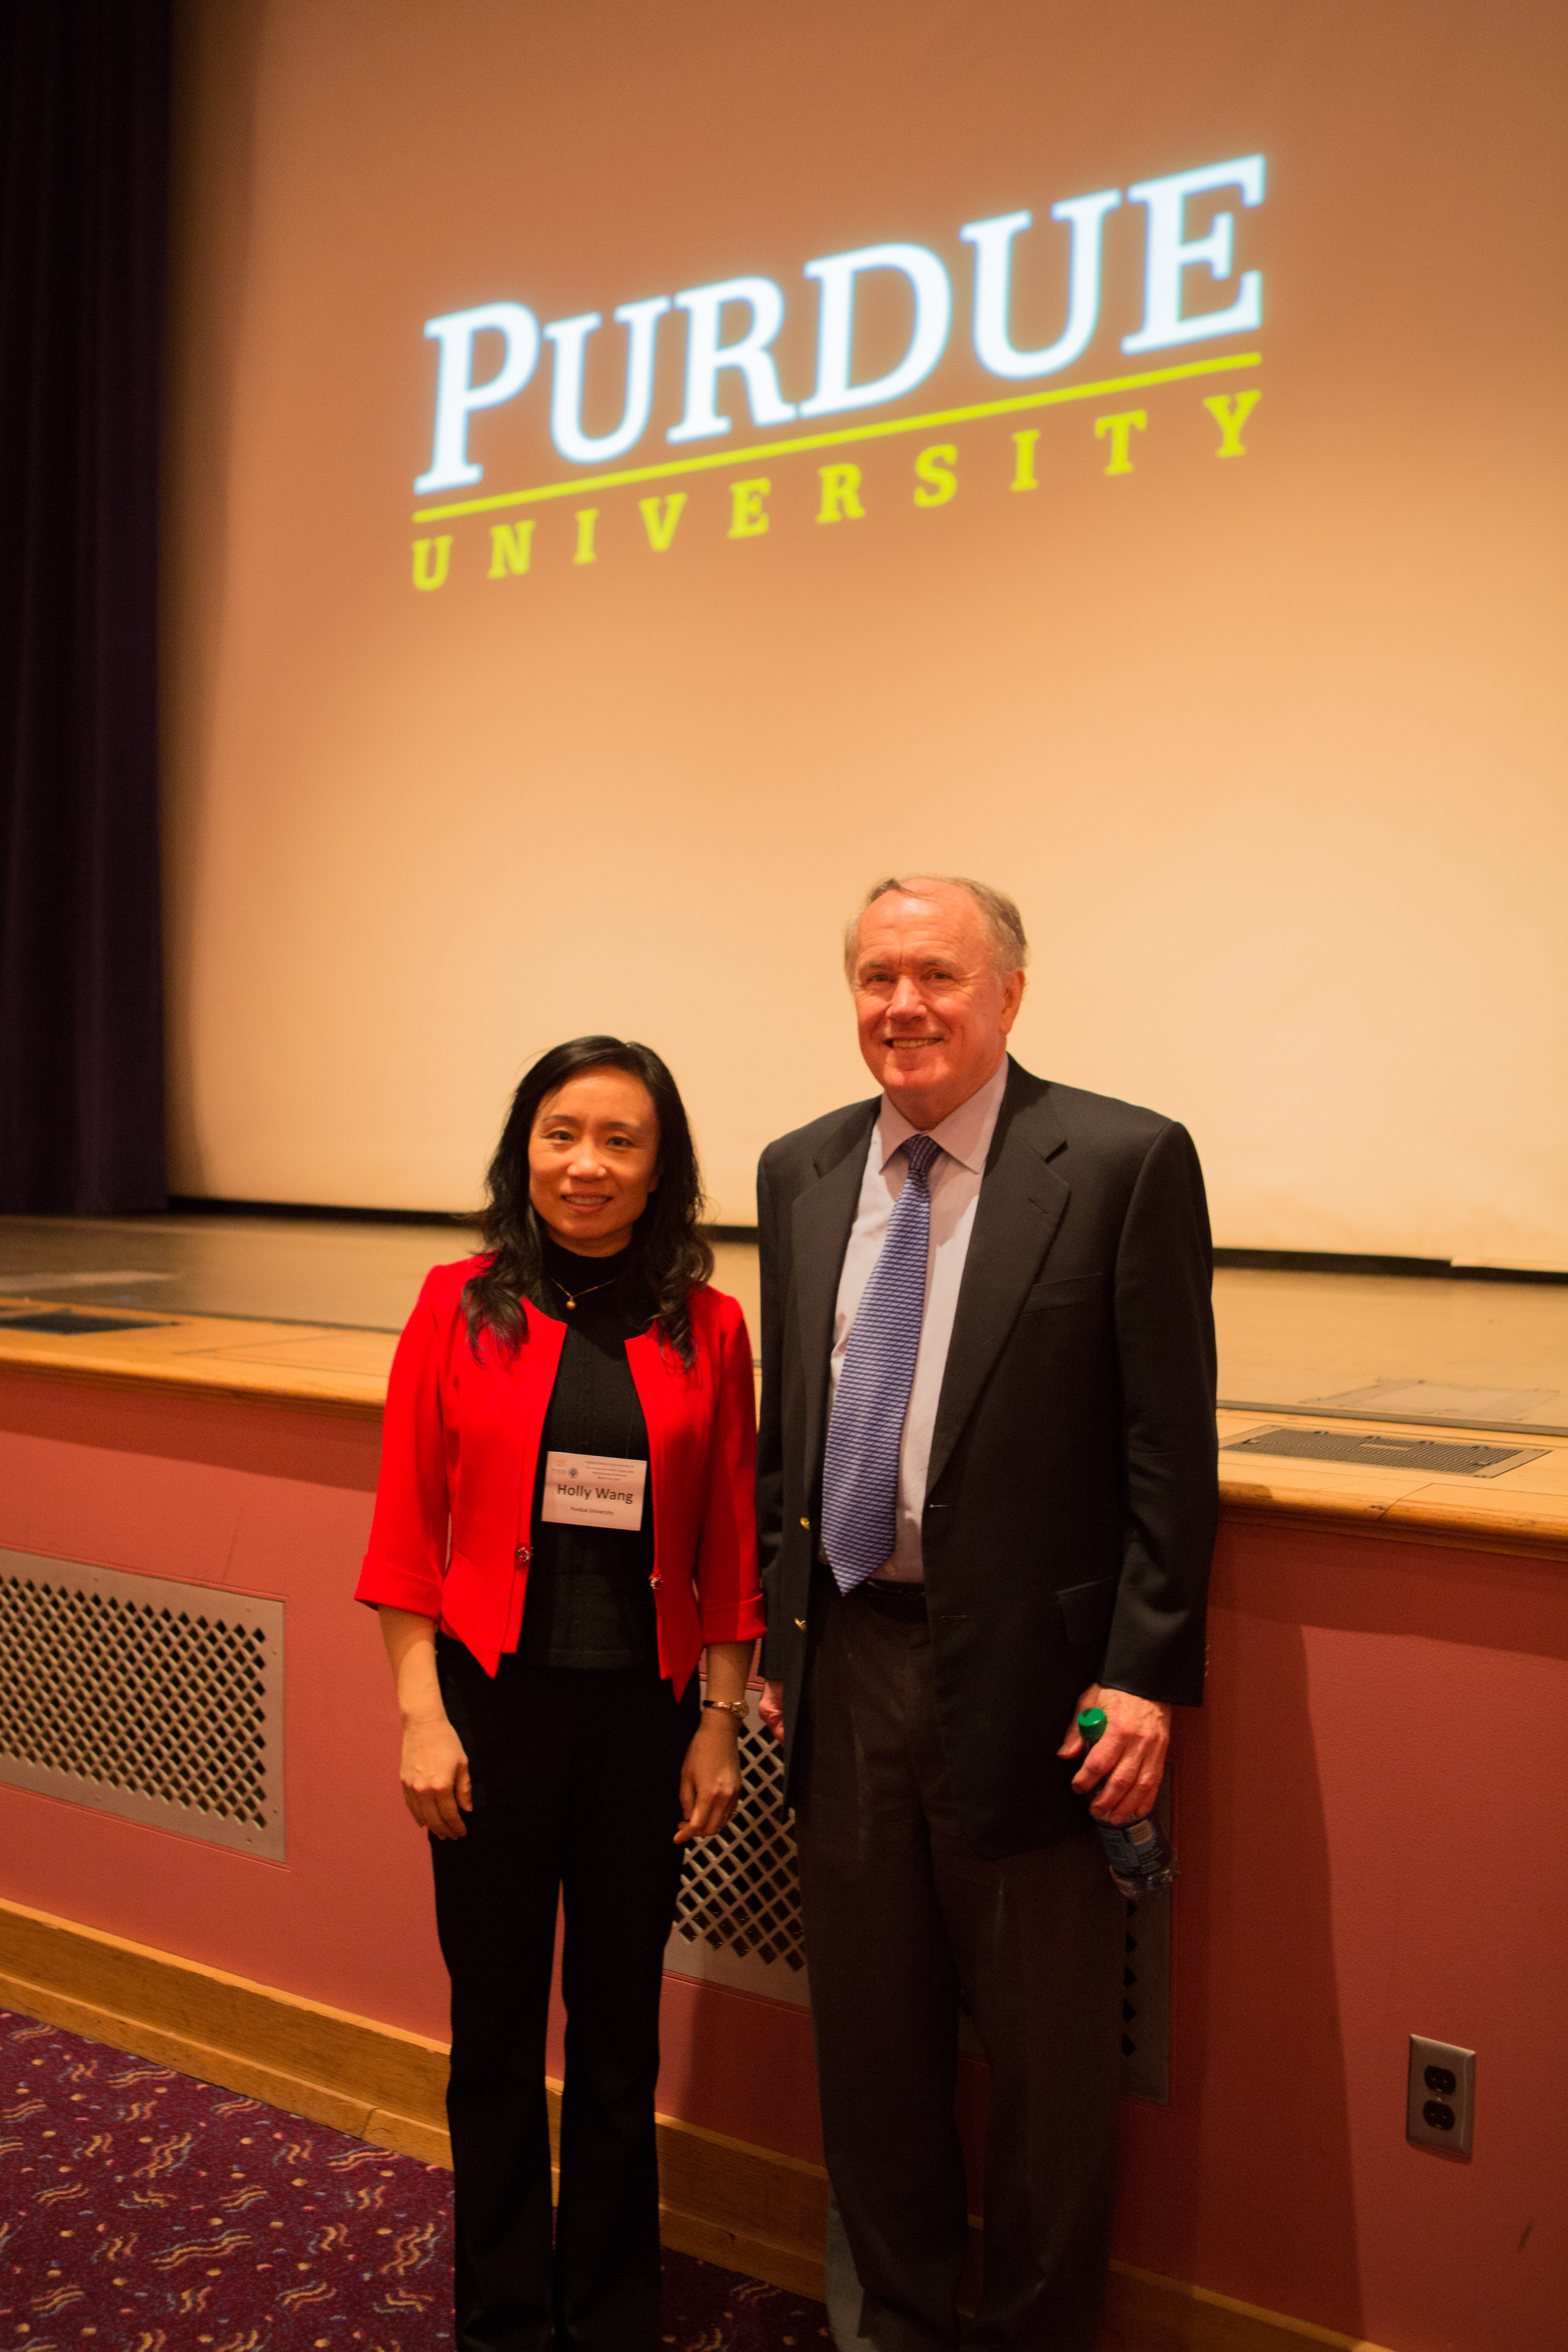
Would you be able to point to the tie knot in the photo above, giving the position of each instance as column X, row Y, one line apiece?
column 920, row 1151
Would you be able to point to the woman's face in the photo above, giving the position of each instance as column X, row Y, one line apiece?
column 593, row 1159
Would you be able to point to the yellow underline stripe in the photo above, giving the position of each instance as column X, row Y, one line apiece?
column 756, row 455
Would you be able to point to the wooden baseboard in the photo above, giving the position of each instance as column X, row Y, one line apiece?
column 323, row 2064
column 1146, row 2313
column 746, row 2207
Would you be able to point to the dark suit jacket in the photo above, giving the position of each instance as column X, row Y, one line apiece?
column 1071, row 1498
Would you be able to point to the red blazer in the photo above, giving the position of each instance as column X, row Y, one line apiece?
column 450, row 1538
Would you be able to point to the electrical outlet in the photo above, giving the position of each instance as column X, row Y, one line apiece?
column 1440, row 2104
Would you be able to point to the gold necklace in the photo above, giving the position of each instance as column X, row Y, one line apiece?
column 572, row 1297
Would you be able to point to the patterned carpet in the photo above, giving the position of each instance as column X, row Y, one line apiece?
column 141, row 2211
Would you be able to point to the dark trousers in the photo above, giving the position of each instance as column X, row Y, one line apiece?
column 577, row 1800
column 902, row 1915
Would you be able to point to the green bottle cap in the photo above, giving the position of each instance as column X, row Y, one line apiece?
column 1090, row 1724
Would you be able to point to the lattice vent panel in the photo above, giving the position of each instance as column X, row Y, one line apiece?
column 135, row 1695
column 737, row 1921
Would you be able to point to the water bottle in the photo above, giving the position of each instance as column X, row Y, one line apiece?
column 1143, row 1859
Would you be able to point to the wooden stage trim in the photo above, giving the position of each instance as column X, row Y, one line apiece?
column 748, row 2209
column 1523, row 1514
column 339, row 1371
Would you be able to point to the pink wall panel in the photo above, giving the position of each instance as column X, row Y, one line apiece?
column 1370, row 1812
column 1366, row 1807
column 738, row 2064
column 261, row 1499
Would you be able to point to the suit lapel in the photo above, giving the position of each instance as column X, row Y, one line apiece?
column 823, row 1214
column 1021, row 1204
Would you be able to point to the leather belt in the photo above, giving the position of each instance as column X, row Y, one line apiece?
column 904, row 1600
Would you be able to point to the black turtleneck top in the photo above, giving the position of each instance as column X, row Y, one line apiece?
column 590, row 1602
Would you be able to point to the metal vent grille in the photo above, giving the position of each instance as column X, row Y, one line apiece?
column 69, row 1319
column 157, row 1701
column 1371, row 1451
column 737, row 1922
column 1146, row 1989
column 737, row 1917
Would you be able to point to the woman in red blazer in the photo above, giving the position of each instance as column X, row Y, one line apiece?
column 563, row 1524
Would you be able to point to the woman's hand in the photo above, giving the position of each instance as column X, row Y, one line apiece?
column 435, row 1770
column 710, row 1776
column 435, row 1785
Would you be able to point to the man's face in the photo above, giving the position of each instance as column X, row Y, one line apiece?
column 933, row 1017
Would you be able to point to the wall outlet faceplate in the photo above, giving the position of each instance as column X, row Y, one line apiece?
column 1440, row 2104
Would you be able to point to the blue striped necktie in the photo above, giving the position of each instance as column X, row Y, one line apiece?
column 860, row 1468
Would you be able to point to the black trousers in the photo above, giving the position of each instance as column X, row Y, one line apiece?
column 902, row 1915
column 577, row 1780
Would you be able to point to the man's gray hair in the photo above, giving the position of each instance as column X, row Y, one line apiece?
column 1004, row 924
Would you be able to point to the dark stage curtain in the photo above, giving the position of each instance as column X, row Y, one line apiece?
column 84, row 137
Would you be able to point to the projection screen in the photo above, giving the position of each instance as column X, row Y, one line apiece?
column 638, row 475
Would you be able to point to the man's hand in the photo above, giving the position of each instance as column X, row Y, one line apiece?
column 770, row 1706
column 1127, row 1762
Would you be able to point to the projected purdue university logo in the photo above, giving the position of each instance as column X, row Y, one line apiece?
column 489, row 355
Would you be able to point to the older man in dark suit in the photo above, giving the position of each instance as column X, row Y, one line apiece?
column 987, row 1491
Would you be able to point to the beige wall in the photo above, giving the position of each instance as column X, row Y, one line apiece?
column 1270, row 749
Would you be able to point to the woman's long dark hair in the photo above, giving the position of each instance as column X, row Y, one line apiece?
column 669, row 1251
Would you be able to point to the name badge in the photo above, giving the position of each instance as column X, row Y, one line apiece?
column 594, row 1490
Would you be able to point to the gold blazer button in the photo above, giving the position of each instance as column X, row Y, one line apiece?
column 805, row 1523
column 801, row 1622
